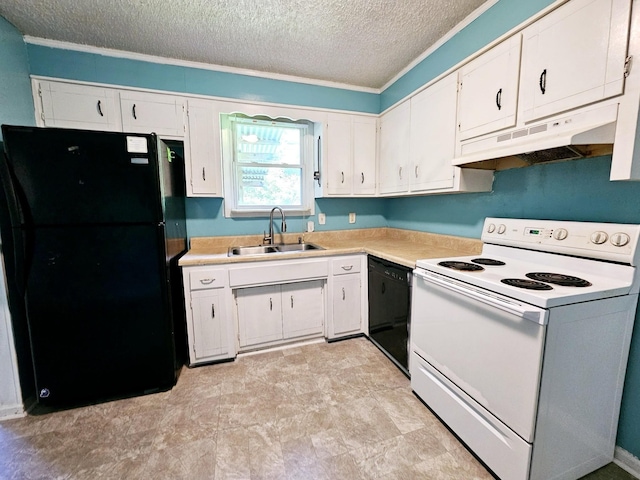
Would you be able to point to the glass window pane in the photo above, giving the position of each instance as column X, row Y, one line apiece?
column 264, row 186
column 272, row 144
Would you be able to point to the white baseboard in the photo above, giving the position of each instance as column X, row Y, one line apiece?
column 627, row 461
column 11, row 411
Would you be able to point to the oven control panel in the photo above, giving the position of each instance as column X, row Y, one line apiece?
column 606, row 241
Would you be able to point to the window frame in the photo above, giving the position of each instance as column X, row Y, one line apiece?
column 230, row 167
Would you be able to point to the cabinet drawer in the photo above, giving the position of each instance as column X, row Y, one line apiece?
column 201, row 280
column 342, row 266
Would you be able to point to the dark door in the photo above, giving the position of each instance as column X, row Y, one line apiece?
column 73, row 177
column 99, row 313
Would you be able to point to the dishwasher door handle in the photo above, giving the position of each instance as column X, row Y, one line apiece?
column 519, row 310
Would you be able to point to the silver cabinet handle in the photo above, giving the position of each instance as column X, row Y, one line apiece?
column 133, row 111
column 204, row 177
column 100, row 108
column 271, row 304
column 347, row 267
column 213, row 311
column 343, row 294
column 400, row 173
column 207, row 281
column 291, row 301
column 362, row 181
column 342, row 175
column 416, row 171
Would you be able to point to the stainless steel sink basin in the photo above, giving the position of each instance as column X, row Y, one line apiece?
column 269, row 249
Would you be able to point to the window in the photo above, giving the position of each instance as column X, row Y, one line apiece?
column 267, row 163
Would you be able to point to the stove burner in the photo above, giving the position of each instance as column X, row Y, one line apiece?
column 559, row 279
column 488, row 261
column 462, row 266
column 524, row 283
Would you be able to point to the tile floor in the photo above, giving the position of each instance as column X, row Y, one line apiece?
column 320, row 411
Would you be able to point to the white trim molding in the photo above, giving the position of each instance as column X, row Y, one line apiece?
column 627, row 461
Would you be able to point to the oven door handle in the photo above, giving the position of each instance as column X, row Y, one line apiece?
column 521, row 311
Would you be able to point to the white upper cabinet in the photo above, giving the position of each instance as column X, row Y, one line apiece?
column 202, row 149
column 433, row 135
column 350, row 161
column 152, row 113
column 67, row 105
column 488, row 96
column 574, row 56
column 394, row 149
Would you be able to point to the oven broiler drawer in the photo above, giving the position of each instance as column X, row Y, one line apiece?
column 499, row 447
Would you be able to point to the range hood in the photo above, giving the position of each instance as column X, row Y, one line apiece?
column 572, row 135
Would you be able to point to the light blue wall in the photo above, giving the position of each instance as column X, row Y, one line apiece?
column 205, row 217
column 16, row 102
column 90, row 67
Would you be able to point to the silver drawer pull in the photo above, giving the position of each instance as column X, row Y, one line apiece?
column 343, row 294
column 207, row 281
column 347, row 267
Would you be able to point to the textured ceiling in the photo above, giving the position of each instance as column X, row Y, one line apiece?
column 356, row 42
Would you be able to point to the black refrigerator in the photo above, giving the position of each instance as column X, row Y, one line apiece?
column 94, row 224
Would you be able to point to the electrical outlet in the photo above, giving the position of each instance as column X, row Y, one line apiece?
column 310, row 226
column 352, row 217
column 322, row 218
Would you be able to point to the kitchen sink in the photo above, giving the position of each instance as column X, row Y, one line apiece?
column 270, row 249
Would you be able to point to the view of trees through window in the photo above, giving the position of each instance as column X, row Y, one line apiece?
column 268, row 163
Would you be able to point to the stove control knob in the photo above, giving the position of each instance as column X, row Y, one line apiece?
column 560, row 234
column 502, row 228
column 620, row 239
column 491, row 228
column 599, row 237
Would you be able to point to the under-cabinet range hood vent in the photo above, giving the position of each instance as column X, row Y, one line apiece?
column 574, row 135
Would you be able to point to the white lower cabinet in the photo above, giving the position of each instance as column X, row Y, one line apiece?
column 346, row 297
column 210, row 326
column 279, row 312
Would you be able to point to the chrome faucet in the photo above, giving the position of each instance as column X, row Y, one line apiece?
column 268, row 240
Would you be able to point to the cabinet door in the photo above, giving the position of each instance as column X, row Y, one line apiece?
column 211, row 335
column 489, row 90
column 152, row 113
column 259, row 315
column 202, row 150
column 364, row 155
column 66, row 105
column 339, row 154
column 394, row 149
column 574, row 56
column 347, row 315
column 433, row 134
column 302, row 308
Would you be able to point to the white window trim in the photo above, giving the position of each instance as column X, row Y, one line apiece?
column 231, row 210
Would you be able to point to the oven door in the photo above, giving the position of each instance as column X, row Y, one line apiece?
column 487, row 345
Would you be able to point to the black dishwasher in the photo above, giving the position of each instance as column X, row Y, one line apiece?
column 389, row 309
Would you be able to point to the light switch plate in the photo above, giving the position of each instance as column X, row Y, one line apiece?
column 322, row 218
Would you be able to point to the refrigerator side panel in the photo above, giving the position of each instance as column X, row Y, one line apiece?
column 98, row 307
column 73, row 177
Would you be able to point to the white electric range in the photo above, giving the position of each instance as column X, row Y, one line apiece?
column 522, row 350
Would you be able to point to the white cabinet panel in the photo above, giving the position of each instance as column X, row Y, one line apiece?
column 347, row 313
column 152, row 113
column 489, row 90
column 302, row 309
column 350, row 163
column 259, row 315
column 574, row 56
column 433, row 135
column 67, row 105
column 394, row 149
column 210, row 324
column 202, row 149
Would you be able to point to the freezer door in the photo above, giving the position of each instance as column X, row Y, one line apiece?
column 99, row 313
column 72, row 177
